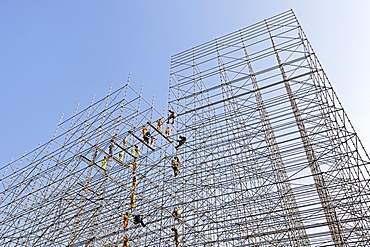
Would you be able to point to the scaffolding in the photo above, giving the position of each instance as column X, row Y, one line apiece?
column 270, row 158
column 276, row 157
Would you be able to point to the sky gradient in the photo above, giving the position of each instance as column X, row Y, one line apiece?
column 57, row 54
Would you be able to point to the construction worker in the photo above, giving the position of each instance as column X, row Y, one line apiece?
column 94, row 155
column 168, row 131
column 126, row 218
column 153, row 139
column 133, row 198
column 176, row 165
column 136, row 150
column 134, row 182
column 138, row 219
column 176, row 235
column 125, row 241
column 125, row 141
column 159, row 124
column 172, row 117
column 144, row 129
column 120, row 155
column 176, row 212
column 111, row 148
column 134, row 166
column 181, row 141
column 147, row 137
column 104, row 162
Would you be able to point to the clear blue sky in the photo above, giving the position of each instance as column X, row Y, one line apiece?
column 56, row 54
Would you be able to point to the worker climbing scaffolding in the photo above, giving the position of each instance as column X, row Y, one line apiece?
column 138, row 219
column 144, row 129
column 125, row 141
column 159, row 124
column 126, row 219
column 94, row 155
column 136, row 150
column 134, row 182
column 168, row 131
column 147, row 137
column 111, row 147
column 120, row 155
column 132, row 200
column 181, row 141
column 134, row 166
column 171, row 118
column 104, row 162
column 176, row 165
column 176, row 213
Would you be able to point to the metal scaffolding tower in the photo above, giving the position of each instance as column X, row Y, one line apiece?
column 271, row 150
column 271, row 158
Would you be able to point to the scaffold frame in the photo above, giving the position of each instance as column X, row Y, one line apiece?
column 270, row 157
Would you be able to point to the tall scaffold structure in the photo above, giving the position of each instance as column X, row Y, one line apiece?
column 270, row 158
column 271, row 153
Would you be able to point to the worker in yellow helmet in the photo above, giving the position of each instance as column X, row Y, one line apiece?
column 120, row 155
column 134, row 182
column 126, row 218
column 134, row 166
column 159, row 124
column 104, row 162
column 136, row 150
column 168, row 131
column 133, row 198
column 176, row 212
column 144, row 129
